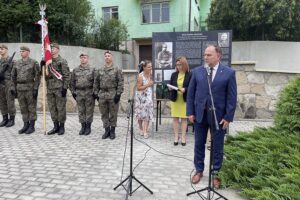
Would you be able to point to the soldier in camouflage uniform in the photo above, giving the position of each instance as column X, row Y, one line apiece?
column 25, row 77
column 7, row 100
column 57, row 90
column 81, row 86
column 108, row 86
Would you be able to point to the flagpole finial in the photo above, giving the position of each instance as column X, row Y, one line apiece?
column 42, row 9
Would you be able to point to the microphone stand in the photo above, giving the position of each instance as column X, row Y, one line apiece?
column 213, row 123
column 131, row 177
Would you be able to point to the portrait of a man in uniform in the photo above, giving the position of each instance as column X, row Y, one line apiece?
column 164, row 56
column 223, row 39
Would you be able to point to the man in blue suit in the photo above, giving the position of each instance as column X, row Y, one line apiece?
column 224, row 92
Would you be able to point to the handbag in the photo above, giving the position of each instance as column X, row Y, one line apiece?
column 162, row 91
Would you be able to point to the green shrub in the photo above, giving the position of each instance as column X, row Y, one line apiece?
column 265, row 163
column 287, row 115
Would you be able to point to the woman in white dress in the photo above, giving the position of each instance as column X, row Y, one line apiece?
column 143, row 99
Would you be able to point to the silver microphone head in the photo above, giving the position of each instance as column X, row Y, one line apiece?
column 206, row 66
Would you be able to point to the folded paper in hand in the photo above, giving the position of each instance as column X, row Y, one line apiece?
column 172, row 87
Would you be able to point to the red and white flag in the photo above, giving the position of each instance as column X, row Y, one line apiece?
column 47, row 49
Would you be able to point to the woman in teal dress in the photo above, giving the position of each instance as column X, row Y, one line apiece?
column 180, row 79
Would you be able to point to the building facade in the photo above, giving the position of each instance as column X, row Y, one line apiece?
column 143, row 17
column 205, row 8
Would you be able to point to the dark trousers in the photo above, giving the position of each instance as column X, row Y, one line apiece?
column 201, row 130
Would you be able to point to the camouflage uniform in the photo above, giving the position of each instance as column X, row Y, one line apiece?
column 7, row 100
column 164, row 59
column 82, row 81
column 56, row 102
column 26, row 78
column 108, row 83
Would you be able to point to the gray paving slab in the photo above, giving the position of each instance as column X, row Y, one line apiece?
column 39, row 166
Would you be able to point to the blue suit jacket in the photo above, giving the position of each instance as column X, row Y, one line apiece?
column 224, row 91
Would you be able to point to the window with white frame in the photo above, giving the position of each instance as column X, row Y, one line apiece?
column 155, row 13
column 110, row 12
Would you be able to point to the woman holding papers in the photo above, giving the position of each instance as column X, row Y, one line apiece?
column 179, row 79
column 143, row 98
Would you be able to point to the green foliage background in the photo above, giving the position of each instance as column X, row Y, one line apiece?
column 108, row 34
column 70, row 22
column 265, row 164
column 257, row 19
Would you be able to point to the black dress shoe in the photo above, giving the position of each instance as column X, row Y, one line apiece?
column 183, row 143
column 175, row 143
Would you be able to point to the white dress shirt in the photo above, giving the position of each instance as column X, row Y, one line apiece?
column 215, row 71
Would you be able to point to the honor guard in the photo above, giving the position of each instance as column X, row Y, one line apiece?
column 25, row 77
column 108, row 86
column 57, row 78
column 7, row 100
column 81, row 86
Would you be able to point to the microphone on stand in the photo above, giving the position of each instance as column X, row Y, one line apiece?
column 207, row 69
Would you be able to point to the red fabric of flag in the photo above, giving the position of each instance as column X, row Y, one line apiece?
column 47, row 49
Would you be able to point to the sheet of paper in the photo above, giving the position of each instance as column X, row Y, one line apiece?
column 172, row 87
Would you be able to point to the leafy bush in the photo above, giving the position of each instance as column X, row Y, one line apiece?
column 265, row 164
column 288, row 108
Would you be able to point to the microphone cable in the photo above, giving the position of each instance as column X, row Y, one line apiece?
column 201, row 196
column 169, row 155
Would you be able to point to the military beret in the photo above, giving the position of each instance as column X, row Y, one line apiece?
column 3, row 46
column 109, row 52
column 24, row 48
column 55, row 45
column 83, row 54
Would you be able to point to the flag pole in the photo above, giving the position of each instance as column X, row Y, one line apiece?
column 42, row 13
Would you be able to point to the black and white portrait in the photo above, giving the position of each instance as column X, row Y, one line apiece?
column 164, row 55
column 223, row 39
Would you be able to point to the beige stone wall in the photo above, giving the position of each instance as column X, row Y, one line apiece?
column 258, row 90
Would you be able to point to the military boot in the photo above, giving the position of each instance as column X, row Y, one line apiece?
column 25, row 127
column 61, row 130
column 112, row 133
column 55, row 129
column 82, row 130
column 88, row 128
column 31, row 128
column 11, row 121
column 4, row 121
column 107, row 133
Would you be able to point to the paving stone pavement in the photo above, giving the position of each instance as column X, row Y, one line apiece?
column 73, row 167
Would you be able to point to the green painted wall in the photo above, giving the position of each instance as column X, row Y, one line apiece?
column 130, row 14
column 205, row 9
